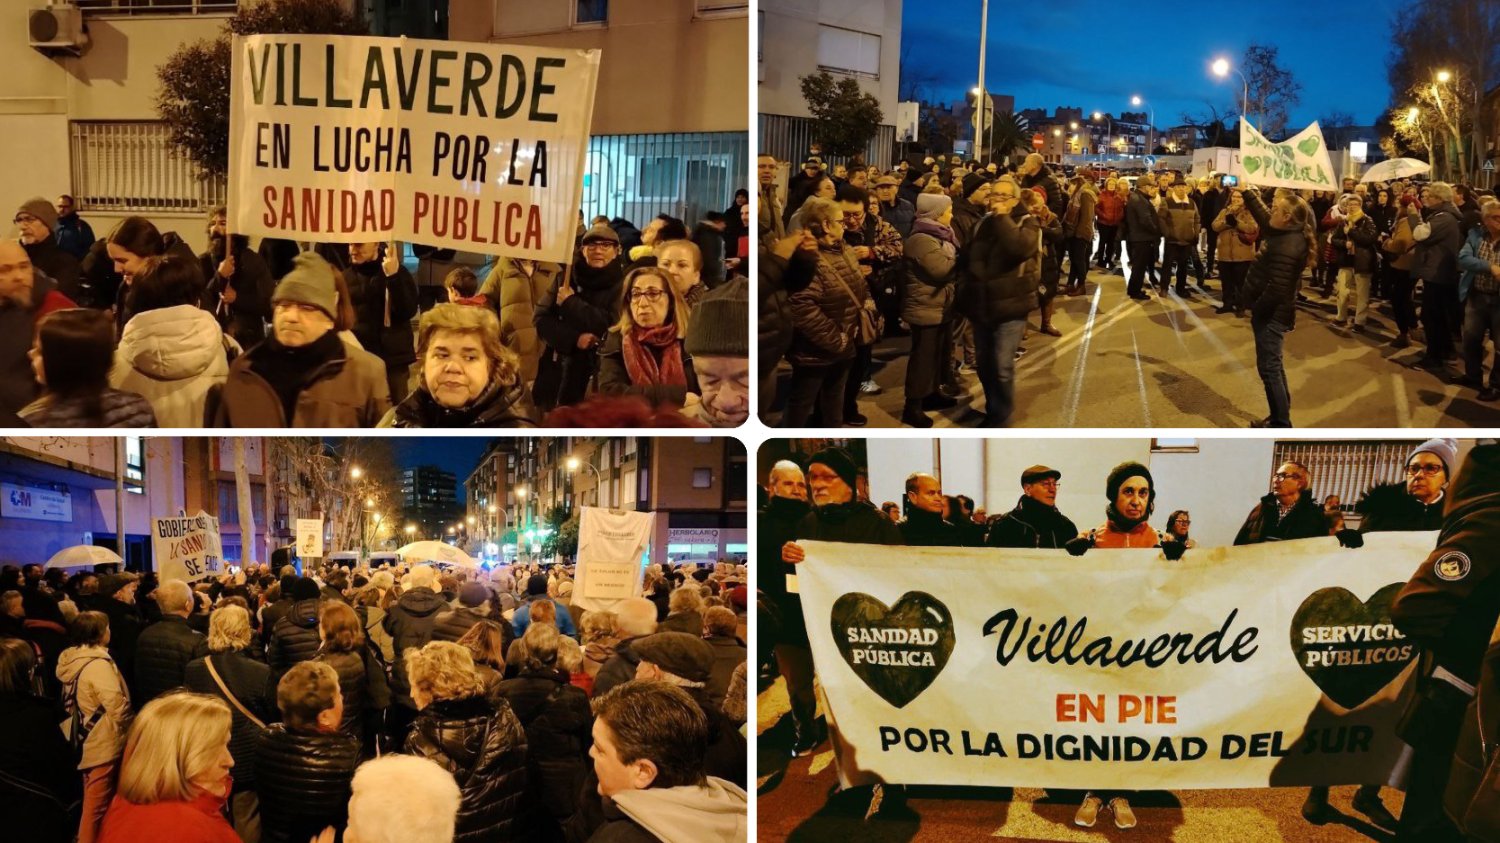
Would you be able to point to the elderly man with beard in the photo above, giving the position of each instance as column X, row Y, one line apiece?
column 469, row 379
column 573, row 318
column 36, row 221
column 1290, row 511
column 239, row 284
column 1036, row 520
column 303, row 375
column 924, row 524
column 836, row 516
column 26, row 295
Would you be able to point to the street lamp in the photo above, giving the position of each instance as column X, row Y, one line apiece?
column 1443, row 76
column 1221, row 70
column 1150, row 129
column 574, row 463
column 411, row 530
column 355, row 472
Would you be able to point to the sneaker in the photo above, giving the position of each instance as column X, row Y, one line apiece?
column 870, row 388
column 1124, row 817
column 1088, row 812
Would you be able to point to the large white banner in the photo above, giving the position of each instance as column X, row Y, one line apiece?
column 1298, row 162
column 343, row 139
column 187, row 547
column 1273, row 664
column 610, row 544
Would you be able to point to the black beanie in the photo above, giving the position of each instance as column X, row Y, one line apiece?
column 719, row 319
column 972, row 182
column 305, row 588
column 1124, row 471
column 839, row 460
column 536, row 586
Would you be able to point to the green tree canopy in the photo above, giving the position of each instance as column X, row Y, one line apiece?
column 845, row 118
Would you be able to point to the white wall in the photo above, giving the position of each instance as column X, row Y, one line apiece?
column 35, row 147
column 790, row 49
column 1218, row 485
column 891, row 461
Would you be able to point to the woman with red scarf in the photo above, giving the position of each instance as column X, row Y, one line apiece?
column 643, row 354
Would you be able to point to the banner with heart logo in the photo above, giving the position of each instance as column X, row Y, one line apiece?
column 1300, row 161
column 1273, row 664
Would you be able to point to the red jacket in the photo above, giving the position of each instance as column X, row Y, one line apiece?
column 1110, row 208
column 167, row 822
column 54, row 301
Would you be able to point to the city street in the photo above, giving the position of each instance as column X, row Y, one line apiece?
column 1173, row 362
column 796, row 802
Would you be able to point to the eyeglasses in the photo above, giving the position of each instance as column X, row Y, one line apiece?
column 1429, row 470
column 22, row 219
column 652, row 294
column 1280, row 475
column 599, row 244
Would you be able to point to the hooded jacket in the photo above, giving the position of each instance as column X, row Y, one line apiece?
column 713, row 811
column 485, row 751
column 515, row 295
column 90, row 677
column 295, row 639
column 1031, row 524
column 497, row 406
column 173, row 357
column 410, row 622
column 304, row 782
column 1305, row 520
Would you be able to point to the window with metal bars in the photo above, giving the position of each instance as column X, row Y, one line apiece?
column 158, row 7
column 1347, row 469
column 132, row 167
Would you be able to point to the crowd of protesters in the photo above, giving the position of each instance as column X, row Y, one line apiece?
column 969, row 260
column 135, row 330
column 277, row 706
column 1450, row 616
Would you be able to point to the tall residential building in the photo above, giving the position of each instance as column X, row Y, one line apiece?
column 858, row 39
column 429, row 499
column 670, row 127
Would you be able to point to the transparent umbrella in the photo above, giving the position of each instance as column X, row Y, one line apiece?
column 1396, row 168
column 435, row 551
column 83, row 556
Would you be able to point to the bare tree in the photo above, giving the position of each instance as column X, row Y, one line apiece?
column 1461, row 37
column 917, row 80
column 1274, row 91
column 1213, row 126
column 1336, row 125
column 243, row 491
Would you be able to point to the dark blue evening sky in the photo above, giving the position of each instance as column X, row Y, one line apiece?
column 1094, row 54
column 458, row 454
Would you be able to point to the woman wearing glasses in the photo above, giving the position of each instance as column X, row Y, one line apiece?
column 643, row 353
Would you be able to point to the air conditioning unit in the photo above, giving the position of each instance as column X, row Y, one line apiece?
column 57, row 29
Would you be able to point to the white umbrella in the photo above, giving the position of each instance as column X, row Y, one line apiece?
column 435, row 551
column 83, row 556
column 1396, row 168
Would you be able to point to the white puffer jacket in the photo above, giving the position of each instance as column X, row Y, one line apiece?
column 173, row 357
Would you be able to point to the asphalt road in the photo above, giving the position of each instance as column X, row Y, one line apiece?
column 797, row 802
column 1173, row 362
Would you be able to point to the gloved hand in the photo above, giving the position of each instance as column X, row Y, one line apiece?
column 1350, row 538
column 1173, row 550
column 1080, row 545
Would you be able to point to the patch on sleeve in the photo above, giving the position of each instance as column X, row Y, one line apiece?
column 1452, row 566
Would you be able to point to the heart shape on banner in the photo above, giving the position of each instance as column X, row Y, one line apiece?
column 1355, row 650
column 898, row 651
column 1251, row 164
column 1309, row 145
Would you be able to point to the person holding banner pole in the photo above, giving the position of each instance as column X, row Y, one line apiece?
column 384, row 296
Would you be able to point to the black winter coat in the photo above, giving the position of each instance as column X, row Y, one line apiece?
column 1141, row 222
column 369, row 288
column 453, row 623
column 303, row 782
column 295, row 637
column 618, row 670
column 614, row 377
column 777, row 524
column 1003, row 270
column 1305, row 520
column 1275, row 276
column 558, row 723
column 58, row 265
column 270, row 615
column 1366, row 238
column 1031, row 524
column 921, row 528
column 250, row 682
column 1057, row 198
column 1389, row 508
column 497, row 406
column 1436, row 256
column 564, row 370
column 162, row 654
column 410, row 623
column 779, row 279
column 727, row 749
column 252, row 284
column 124, row 630
column 39, row 781
column 363, row 686
column 485, row 751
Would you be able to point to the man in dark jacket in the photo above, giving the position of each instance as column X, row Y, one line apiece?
column 304, row 765
column 1036, row 520
column 1289, row 512
column 787, row 265
column 117, row 602
column 295, row 639
column 635, row 618
column 74, row 235
column 969, row 209
column 410, row 623
column 36, row 221
column 1210, row 200
column 473, row 600
column 573, row 320
column 384, row 296
column 1270, row 291
column 687, row 661
column 164, row 649
column 276, row 608
column 777, row 524
column 1035, row 173
column 238, row 292
column 924, row 525
column 1000, row 294
column 1141, row 231
column 1449, row 609
column 894, row 209
column 1439, row 235
column 721, row 633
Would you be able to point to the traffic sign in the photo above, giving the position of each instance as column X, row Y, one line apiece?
column 1489, row 166
column 1037, row 141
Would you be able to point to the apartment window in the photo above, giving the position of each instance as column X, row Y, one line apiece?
column 131, row 167
column 591, row 12
column 703, row 478
column 158, row 7
column 658, row 179
column 1174, row 446
column 135, row 465
column 720, row 8
column 1346, row 469
column 848, row 51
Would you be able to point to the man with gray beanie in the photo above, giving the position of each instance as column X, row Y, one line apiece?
column 718, row 341
column 927, row 304
column 36, row 220
column 304, row 375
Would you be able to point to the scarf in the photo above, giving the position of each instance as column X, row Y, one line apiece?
column 1122, row 524
column 653, row 356
column 934, row 229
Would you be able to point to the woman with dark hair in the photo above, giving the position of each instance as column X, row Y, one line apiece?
column 38, row 780
column 361, row 677
column 486, row 643
column 93, row 686
column 469, row 379
column 1179, row 525
column 734, row 224
column 1288, row 231
column 172, row 352
column 71, row 357
column 129, row 245
column 643, row 354
column 821, row 187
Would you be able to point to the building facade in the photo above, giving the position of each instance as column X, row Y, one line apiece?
column 859, row 39
column 670, row 132
column 429, row 500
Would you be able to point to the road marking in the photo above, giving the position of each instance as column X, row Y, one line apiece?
column 1140, row 379
column 1075, row 384
column 1403, row 409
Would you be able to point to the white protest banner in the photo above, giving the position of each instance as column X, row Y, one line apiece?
column 1298, row 162
column 310, row 538
column 187, row 547
column 610, row 543
column 1266, row 665
column 472, row 146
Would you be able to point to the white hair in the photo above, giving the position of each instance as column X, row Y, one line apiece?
column 635, row 616
column 785, row 467
column 174, row 597
column 403, row 799
column 422, row 576
column 1442, row 190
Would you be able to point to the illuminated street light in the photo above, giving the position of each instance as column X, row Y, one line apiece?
column 470, row 519
column 520, row 491
column 494, row 509
column 355, row 472
column 1097, row 115
column 369, row 501
column 1221, row 67
column 1057, row 133
column 1135, row 100
column 411, row 530
column 1443, row 76
column 572, row 463
column 1411, row 114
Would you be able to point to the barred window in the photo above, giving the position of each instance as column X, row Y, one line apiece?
column 158, row 7
column 131, row 167
column 1347, row 469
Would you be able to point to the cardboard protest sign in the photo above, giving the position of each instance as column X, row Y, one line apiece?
column 610, row 543
column 310, row 538
column 472, row 146
column 1266, row 665
column 187, row 547
column 1299, row 162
